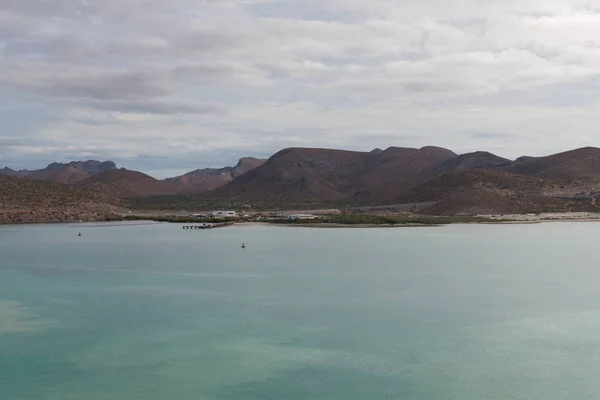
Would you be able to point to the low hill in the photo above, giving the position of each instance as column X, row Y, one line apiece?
column 122, row 183
column 578, row 167
column 443, row 185
column 24, row 200
column 488, row 202
column 202, row 180
column 476, row 160
column 477, row 191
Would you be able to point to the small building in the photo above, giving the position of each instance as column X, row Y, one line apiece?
column 223, row 214
column 200, row 215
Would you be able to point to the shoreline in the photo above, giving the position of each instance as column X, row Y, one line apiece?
column 513, row 219
column 386, row 226
column 325, row 225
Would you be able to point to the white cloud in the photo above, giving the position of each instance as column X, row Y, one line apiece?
column 152, row 78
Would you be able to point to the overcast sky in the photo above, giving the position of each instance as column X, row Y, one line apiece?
column 170, row 86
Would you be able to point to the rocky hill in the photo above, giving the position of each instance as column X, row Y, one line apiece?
column 394, row 171
column 580, row 167
column 69, row 173
column 202, row 180
column 479, row 191
column 297, row 174
column 193, row 182
column 326, row 174
column 478, row 182
column 122, row 183
column 25, row 200
column 476, row 160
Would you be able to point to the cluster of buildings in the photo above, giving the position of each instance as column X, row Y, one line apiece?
column 216, row 214
column 233, row 214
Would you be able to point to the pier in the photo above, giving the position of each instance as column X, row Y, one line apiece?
column 208, row 226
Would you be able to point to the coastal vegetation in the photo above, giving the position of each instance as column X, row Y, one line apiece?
column 176, row 219
column 367, row 219
column 195, row 202
column 340, row 219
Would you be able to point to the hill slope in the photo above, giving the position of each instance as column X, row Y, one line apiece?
column 25, row 200
column 202, row 180
column 576, row 167
column 305, row 174
column 476, row 160
column 122, row 183
column 478, row 191
column 297, row 174
column 394, row 171
column 72, row 172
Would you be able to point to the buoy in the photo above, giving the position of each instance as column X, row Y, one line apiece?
column 79, row 234
column 243, row 245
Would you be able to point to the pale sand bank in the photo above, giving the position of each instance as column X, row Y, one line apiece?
column 491, row 219
column 545, row 217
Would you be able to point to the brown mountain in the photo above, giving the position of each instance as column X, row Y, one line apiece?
column 202, row 180
column 481, row 191
column 476, row 160
column 394, row 171
column 25, row 200
column 475, row 191
column 64, row 174
column 72, row 172
column 298, row 174
column 442, row 185
column 122, row 183
column 8, row 172
column 478, row 182
column 578, row 167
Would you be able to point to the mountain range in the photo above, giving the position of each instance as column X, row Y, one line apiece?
column 430, row 174
column 120, row 182
column 433, row 179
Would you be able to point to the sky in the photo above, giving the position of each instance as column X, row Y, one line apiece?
column 170, row 86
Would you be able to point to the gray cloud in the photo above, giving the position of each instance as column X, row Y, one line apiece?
column 63, row 80
column 157, row 107
column 243, row 77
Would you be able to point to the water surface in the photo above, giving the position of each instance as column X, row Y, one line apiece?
column 155, row 312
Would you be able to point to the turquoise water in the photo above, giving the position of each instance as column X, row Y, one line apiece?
column 156, row 312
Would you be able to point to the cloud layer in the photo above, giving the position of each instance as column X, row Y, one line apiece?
column 168, row 86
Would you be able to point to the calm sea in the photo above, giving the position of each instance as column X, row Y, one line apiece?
column 156, row 312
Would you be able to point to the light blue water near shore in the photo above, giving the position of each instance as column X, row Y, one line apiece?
column 156, row 312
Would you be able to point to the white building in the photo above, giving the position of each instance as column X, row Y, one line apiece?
column 200, row 215
column 223, row 214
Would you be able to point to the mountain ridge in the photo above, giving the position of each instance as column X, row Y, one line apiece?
column 450, row 183
column 205, row 179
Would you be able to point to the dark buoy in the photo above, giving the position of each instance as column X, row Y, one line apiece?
column 79, row 234
column 243, row 245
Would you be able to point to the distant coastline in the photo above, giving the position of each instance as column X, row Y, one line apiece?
column 333, row 221
column 381, row 221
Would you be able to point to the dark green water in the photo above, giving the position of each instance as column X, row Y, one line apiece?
column 156, row 312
